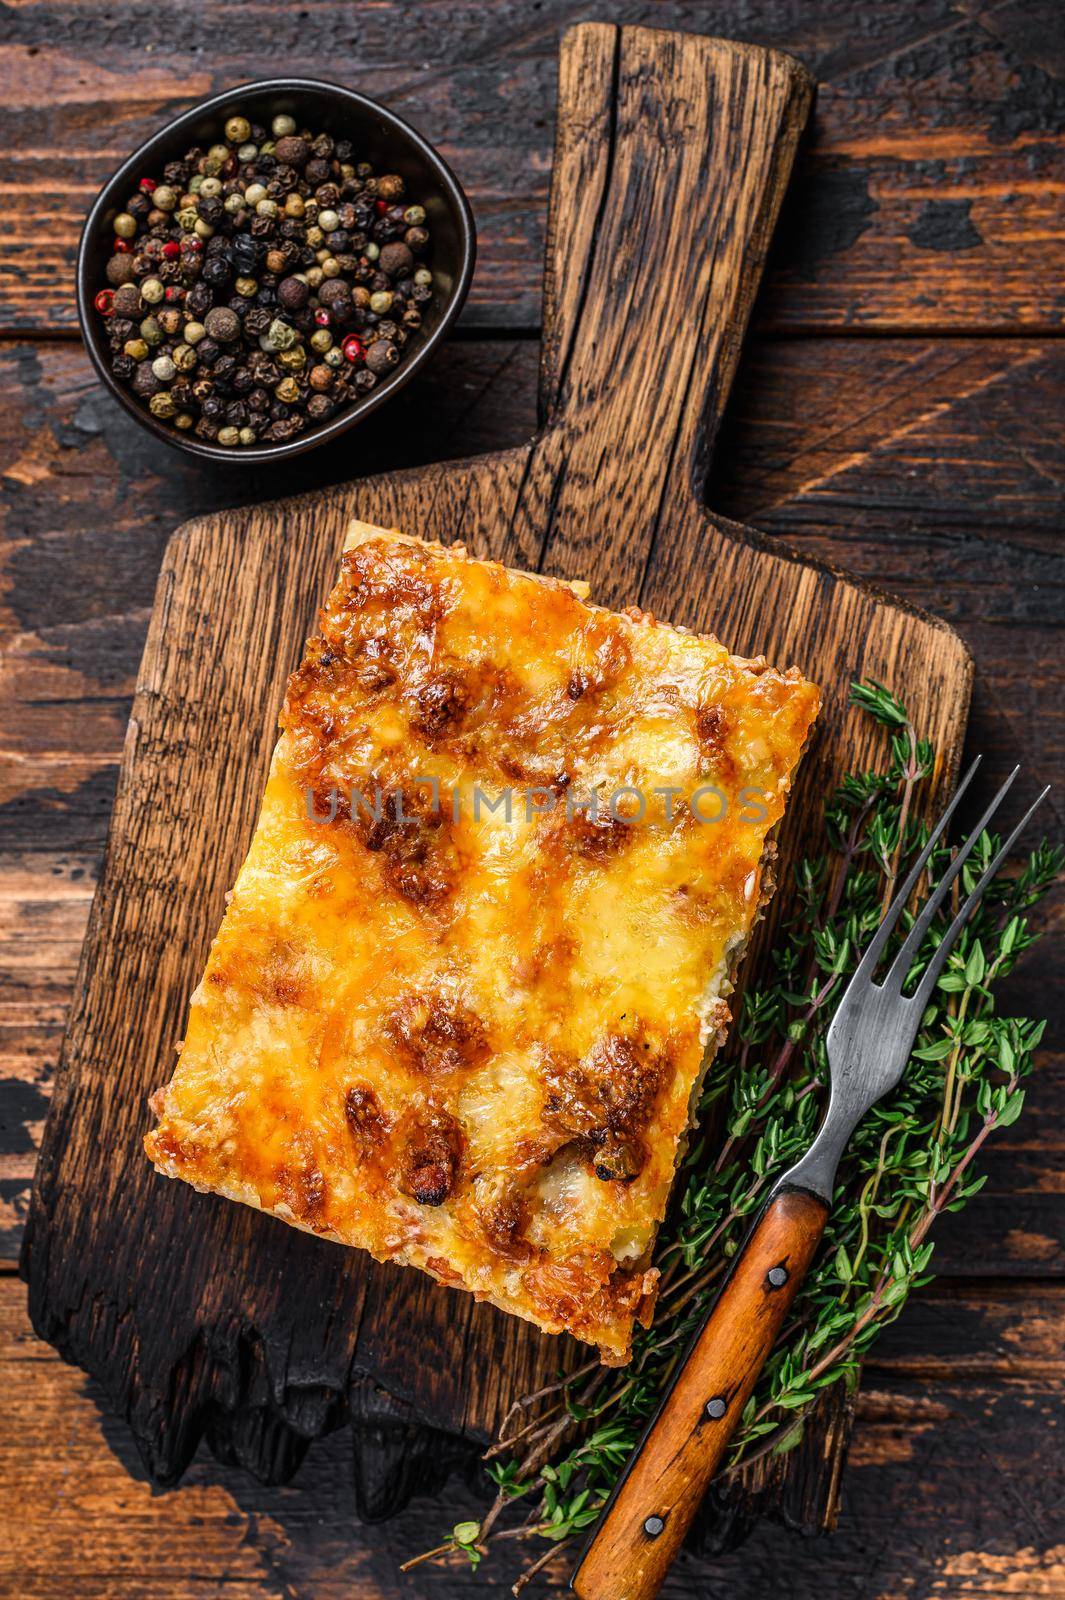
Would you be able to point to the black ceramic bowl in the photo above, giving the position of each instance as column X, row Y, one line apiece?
column 380, row 137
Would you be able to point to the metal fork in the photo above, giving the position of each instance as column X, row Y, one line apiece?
column 868, row 1043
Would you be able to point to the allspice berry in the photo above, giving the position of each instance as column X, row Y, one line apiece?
column 396, row 259
column 382, row 356
column 334, row 292
column 293, row 294
column 222, row 324
column 293, row 151
column 120, row 269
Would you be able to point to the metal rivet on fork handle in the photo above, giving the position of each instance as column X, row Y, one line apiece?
column 777, row 1277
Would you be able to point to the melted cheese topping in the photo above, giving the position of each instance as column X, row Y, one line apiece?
column 463, row 1040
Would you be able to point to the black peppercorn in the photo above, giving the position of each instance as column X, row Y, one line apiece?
column 217, row 272
column 245, row 254
column 208, row 352
column 122, row 366
column 144, row 381
column 200, row 299
column 257, row 320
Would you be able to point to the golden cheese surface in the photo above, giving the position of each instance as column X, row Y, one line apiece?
column 477, row 958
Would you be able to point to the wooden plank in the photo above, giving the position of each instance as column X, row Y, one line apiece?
column 965, row 1389
column 931, row 194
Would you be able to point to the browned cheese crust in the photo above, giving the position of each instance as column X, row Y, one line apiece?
column 465, row 1042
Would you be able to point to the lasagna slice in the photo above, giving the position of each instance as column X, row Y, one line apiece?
column 479, row 955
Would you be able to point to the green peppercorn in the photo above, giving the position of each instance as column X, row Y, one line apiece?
column 283, row 127
column 202, row 230
column 185, row 358
column 194, row 332
column 228, row 436
column 125, row 225
column 151, row 332
column 238, row 129
column 423, row 277
column 248, row 435
column 210, row 188
column 187, row 219
column 152, row 291
column 266, row 208
column 247, row 152
column 293, row 360
column 414, row 216
column 162, row 405
column 381, row 302
column 254, row 193
column 246, row 287
column 233, row 203
column 334, row 357
column 137, row 349
column 184, row 419
column 279, row 336
column 165, row 198
column 321, row 340
column 287, row 390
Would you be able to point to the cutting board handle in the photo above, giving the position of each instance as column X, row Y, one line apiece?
column 672, row 155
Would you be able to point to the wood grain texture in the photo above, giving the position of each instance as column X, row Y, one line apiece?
column 930, row 194
column 655, row 1502
column 967, row 1372
column 611, row 489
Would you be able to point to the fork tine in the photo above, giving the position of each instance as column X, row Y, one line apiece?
column 947, row 943
column 876, row 948
column 901, row 964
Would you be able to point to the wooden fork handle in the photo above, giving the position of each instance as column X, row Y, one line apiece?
column 652, row 1508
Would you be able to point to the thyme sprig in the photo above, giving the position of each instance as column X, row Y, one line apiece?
column 561, row 1450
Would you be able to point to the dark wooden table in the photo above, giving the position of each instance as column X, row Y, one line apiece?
column 899, row 412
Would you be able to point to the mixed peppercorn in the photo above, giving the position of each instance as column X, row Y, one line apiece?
column 262, row 284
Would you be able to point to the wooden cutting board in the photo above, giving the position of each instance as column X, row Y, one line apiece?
column 205, row 1318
